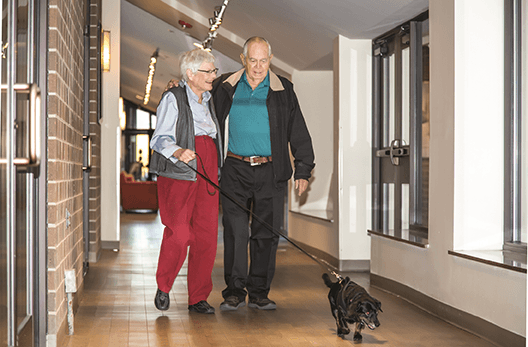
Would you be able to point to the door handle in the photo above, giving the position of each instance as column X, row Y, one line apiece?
column 33, row 138
column 88, row 155
column 394, row 159
column 394, row 152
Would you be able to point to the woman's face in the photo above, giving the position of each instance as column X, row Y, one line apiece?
column 202, row 81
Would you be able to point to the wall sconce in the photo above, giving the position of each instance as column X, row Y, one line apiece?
column 150, row 77
column 122, row 115
column 105, row 51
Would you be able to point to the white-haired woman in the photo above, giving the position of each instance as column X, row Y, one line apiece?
column 187, row 134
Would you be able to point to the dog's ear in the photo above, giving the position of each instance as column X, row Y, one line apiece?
column 379, row 305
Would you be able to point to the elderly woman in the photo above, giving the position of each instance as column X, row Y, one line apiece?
column 187, row 134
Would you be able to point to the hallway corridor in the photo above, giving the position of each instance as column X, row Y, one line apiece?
column 118, row 305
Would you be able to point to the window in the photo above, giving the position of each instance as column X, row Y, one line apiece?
column 140, row 125
column 142, row 120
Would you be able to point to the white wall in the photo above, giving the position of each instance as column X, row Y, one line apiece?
column 314, row 91
column 343, row 165
column 466, row 285
column 110, row 131
column 314, row 227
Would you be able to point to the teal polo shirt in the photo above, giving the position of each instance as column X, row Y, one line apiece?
column 249, row 130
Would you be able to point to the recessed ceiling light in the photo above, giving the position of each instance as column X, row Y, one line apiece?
column 139, row 97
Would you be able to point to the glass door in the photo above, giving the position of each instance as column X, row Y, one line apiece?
column 19, row 164
column 401, row 132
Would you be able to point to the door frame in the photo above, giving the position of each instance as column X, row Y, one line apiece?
column 394, row 161
column 41, row 220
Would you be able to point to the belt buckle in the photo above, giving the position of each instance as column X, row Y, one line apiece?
column 252, row 162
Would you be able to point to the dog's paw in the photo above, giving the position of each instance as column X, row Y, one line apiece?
column 358, row 337
column 342, row 332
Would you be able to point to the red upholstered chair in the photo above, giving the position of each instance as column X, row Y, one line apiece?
column 138, row 195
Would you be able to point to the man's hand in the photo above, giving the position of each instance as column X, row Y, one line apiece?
column 172, row 83
column 301, row 185
column 184, row 154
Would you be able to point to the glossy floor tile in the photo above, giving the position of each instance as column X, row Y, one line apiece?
column 118, row 305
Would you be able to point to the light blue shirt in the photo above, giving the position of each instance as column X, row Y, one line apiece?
column 164, row 139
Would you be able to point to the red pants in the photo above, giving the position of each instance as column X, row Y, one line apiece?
column 190, row 216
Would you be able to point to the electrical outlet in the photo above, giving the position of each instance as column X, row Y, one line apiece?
column 68, row 221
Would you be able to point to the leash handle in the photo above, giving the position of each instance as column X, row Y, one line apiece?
column 260, row 220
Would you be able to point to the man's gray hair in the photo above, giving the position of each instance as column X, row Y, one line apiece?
column 192, row 60
column 255, row 39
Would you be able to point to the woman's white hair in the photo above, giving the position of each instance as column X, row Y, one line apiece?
column 192, row 60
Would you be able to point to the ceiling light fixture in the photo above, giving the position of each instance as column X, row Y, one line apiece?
column 214, row 23
column 150, row 77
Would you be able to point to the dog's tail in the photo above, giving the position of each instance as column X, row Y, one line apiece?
column 327, row 280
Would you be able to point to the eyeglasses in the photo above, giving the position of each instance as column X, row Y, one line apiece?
column 209, row 71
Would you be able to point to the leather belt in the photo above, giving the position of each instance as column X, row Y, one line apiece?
column 254, row 160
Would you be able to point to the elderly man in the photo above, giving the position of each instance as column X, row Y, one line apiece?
column 187, row 130
column 260, row 115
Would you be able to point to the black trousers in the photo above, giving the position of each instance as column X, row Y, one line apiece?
column 251, row 186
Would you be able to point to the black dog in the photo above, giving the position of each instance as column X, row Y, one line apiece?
column 350, row 303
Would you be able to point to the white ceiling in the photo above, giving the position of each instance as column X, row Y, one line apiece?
column 301, row 33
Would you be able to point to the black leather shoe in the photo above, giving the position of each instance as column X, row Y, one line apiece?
column 202, row 307
column 162, row 300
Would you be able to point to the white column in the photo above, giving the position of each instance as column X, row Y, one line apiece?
column 110, row 131
column 352, row 139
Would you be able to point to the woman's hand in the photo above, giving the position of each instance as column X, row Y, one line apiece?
column 184, row 154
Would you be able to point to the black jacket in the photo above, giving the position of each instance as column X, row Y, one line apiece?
column 287, row 125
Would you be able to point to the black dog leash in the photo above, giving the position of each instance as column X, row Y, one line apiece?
column 274, row 230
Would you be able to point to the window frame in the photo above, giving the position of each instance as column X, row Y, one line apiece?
column 513, row 75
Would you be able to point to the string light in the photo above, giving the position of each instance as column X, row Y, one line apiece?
column 214, row 23
column 150, row 77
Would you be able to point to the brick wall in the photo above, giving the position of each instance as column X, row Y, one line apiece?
column 65, row 153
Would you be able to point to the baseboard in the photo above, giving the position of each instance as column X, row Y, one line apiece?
column 110, row 244
column 93, row 257
column 58, row 339
column 461, row 319
column 340, row 265
column 354, row 265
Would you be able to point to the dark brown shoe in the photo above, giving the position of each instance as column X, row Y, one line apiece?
column 262, row 304
column 202, row 307
column 232, row 303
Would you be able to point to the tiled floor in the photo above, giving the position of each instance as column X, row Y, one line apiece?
column 118, row 305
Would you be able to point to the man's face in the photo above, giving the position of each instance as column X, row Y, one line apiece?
column 202, row 81
column 257, row 62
